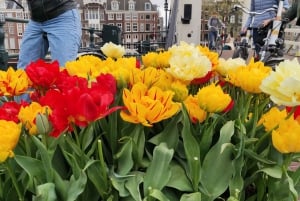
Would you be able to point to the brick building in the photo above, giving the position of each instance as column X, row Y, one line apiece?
column 137, row 20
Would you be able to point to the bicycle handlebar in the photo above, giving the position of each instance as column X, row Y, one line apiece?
column 246, row 10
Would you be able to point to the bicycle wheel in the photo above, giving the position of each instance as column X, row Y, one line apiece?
column 219, row 47
column 240, row 53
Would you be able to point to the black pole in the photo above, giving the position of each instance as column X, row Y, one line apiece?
column 166, row 12
column 3, row 53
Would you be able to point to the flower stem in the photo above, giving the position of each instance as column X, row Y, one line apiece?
column 14, row 180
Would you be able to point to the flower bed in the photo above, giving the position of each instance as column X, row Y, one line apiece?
column 181, row 125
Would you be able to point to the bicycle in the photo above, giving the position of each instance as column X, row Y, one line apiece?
column 271, row 53
column 218, row 44
column 242, row 47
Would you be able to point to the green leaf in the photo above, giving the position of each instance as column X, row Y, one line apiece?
column 98, row 176
column 274, row 172
column 133, row 185
column 213, row 177
column 158, row 173
column 45, row 192
column 169, row 135
column 255, row 156
column 87, row 137
column 191, row 197
column 157, row 194
column 124, row 157
column 179, row 180
column 76, row 186
column 45, row 158
column 33, row 167
column 192, row 151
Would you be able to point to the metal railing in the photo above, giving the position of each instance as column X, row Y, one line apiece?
column 133, row 49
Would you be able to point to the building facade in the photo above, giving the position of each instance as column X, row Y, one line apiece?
column 137, row 20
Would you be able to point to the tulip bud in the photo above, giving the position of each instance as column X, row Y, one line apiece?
column 42, row 124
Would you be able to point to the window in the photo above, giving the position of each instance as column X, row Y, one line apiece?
column 119, row 16
column 20, row 29
column 114, row 5
column 92, row 14
column 148, row 27
column 131, row 5
column 147, row 17
column 11, row 28
column 232, row 19
column 147, row 6
column 101, row 16
column 119, row 25
column 142, row 28
column 128, row 27
column 134, row 16
column 127, row 16
column 134, row 27
column 111, row 16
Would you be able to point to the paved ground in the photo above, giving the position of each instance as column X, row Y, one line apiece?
column 228, row 54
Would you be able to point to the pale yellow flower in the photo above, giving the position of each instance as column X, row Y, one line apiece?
column 9, row 135
column 226, row 65
column 283, row 85
column 187, row 62
column 211, row 55
column 112, row 50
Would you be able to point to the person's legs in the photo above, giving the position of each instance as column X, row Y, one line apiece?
column 64, row 36
column 258, row 39
column 212, row 36
column 32, row 46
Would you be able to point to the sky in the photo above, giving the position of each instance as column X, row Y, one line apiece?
column 160, row 3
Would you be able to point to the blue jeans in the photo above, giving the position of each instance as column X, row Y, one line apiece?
column 62, row 38
column 212, row 36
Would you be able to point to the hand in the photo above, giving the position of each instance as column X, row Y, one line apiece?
column 266, row 22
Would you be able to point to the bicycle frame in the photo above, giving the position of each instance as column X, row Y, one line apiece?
column 270, row 52
column 218, row 42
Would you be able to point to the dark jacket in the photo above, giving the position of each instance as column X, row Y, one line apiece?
column 42, row 10
column 293, row 12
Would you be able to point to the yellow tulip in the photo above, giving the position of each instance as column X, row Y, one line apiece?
column 272, row 118
column 10, row 133
column 87, row 66
column 148, row 106
column 250, row 77
column 151, row 77
column 212, row 98
column 180, row 90
column 195, row 112
column 27, row 116
column 14, row 82
column 287, row 136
